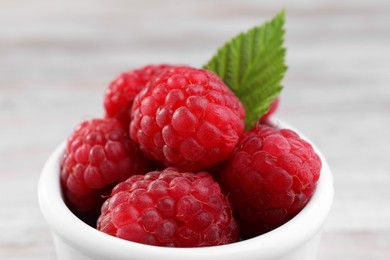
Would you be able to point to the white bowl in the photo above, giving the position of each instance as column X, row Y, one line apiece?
column 298, row 239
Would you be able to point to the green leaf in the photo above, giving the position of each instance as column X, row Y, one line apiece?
column 253, row 65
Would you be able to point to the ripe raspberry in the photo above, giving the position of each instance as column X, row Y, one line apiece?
column 269, row 178
column 120, row 94
column 187, row 118
column 98, row 155
column 169, row 208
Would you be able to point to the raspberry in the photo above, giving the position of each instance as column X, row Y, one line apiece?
column 169, row 208
column 120, row 94
column 187, row 118
column 98, row 155
column 270, row 177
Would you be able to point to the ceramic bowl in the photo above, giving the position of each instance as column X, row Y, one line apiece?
column 298, row 239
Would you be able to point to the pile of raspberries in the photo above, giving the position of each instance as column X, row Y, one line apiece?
column 171, row 164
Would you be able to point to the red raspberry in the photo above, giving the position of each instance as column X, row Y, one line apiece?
column 187, row 118
column 121, row 92
column 98, row 155
column 269, row 178
column 169, row 208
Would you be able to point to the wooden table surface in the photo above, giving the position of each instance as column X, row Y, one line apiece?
column 57, row 57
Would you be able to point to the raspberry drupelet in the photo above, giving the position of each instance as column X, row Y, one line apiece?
column 169, row 208
column 120, row 94
column 99, row 154
column 187, row 118
column 270, row 177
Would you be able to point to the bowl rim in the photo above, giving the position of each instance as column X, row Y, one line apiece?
column 89, row 240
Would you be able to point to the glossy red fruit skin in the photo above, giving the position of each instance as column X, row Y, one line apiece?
column 98, row 155
column 169, row 208
column 187, row 118
column 270, row 177
column 121, row 92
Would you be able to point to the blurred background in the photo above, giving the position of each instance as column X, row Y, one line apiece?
column 57, row 58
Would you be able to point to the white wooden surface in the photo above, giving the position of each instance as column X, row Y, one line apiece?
column 57, row 57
